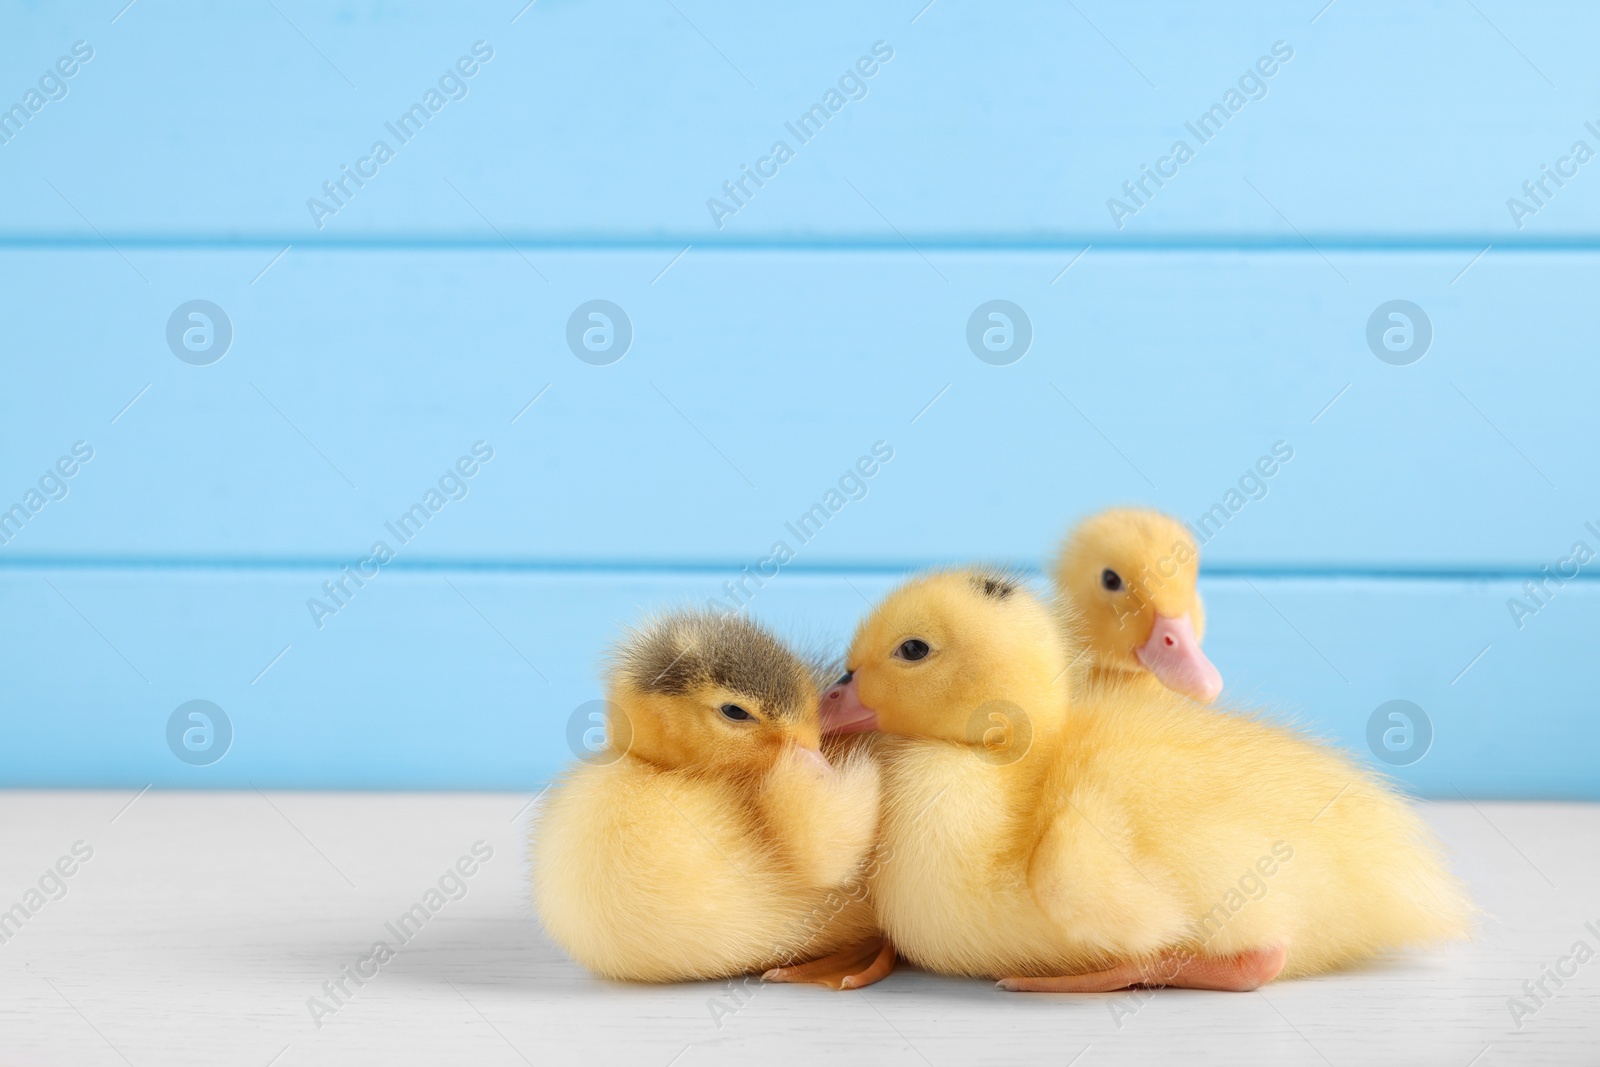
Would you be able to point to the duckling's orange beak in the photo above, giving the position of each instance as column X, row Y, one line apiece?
column 1173, row 655
column 842, row 710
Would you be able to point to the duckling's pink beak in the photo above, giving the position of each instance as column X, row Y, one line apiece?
column 814, row 759
column 1173, row 655
column 842, row 710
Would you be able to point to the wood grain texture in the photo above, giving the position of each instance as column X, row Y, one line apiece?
column 204, row 923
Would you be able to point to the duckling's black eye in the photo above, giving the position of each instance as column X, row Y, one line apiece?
column 735, row 712
column 913, row 649
column 1111, row 580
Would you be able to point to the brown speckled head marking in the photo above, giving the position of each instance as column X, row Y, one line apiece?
column 994, row 584
column 677, row 653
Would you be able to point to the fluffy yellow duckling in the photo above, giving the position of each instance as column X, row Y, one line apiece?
column 712, row 838
column 1127, row 575
column 1129, row 837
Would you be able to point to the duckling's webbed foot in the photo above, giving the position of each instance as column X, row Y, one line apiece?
column 1235, row 974
column 849, row 968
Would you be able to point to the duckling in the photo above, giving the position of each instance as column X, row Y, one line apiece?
column 711, row 837
column 1124, row 836
column 1127, row 575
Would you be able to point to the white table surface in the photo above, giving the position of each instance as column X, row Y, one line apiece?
column 204, row 922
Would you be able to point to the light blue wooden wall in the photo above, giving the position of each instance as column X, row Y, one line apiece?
column 374, row 345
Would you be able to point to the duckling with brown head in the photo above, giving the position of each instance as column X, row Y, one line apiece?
column 711, row 837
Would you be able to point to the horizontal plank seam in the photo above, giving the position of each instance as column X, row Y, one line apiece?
column 711, row 568
column 705, row 244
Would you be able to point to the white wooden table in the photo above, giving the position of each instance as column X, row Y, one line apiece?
column 204, row 923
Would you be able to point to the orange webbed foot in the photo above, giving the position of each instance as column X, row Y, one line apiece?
column 849, row 968
column 1235, row 974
